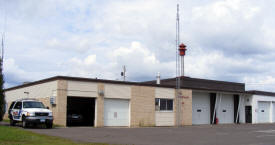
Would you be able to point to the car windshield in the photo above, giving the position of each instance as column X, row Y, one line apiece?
column 32, row 104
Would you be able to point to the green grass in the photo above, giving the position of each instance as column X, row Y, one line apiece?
column 17, row 136
column 6, row 120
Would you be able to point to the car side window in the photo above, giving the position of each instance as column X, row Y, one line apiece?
column 18, row 105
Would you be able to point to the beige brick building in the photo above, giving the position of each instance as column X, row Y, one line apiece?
column 117, row 103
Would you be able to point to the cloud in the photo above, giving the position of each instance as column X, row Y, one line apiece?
column 231, row 40
column 138, row 59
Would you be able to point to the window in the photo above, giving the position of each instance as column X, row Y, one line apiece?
column 157, row 104
column 32, row 104
column 18, row 105
column 169, row 104
column 164, row 104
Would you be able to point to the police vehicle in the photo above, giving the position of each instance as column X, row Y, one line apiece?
column 30, row 112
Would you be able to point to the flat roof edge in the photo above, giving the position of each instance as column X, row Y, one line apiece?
column 264, row 93
column 69, row 78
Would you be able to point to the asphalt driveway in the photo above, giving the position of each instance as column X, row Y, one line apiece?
column 246, row 134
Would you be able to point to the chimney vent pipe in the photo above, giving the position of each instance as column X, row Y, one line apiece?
column 158, row 78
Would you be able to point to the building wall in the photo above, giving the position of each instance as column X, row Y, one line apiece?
column 186, row 107
column 36, row 91
column 165, row 118
column 117, row 91
column 40, row 91
column 60, row 108
column 142, row 106
column 168, row 93
column 99, row 112
column 82, row 89
column 142, row 101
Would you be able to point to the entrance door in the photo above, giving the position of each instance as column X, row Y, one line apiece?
column 248, row 114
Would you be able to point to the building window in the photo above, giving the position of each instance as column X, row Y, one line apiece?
column 163, row 104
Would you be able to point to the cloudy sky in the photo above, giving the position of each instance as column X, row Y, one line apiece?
column 230, row 40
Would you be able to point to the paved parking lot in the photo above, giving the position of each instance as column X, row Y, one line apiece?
column 246, row 134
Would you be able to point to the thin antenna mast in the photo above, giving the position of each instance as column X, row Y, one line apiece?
column 2, row 48
column 178, row 70
column 3, row 32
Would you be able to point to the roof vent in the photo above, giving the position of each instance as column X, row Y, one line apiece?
column 25, row 83
column 158, row 78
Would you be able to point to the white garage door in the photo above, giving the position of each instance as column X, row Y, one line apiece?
column 116, row 112
column 225, row 112
column 273, row 120
column 200, row 108
column 263, row 112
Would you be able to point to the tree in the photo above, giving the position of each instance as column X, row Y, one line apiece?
column 2, row 94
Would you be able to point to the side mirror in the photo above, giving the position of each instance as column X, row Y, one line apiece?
column 48, row 107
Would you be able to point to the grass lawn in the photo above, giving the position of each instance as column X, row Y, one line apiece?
column 17, row 136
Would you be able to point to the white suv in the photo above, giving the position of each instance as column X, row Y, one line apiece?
column 30, row 111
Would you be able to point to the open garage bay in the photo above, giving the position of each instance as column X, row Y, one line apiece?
column 80, row 111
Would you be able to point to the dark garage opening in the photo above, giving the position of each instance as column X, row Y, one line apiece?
column 80, row 111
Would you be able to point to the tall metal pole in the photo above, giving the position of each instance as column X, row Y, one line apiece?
column 182, row 65
column 3, row 32
column 2, row 49
column 178, row 71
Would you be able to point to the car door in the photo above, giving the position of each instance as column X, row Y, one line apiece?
column 16, row 112
column 10, row 109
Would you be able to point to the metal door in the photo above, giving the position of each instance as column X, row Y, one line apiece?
column 200, row 108
column 225, row 113
column 248, row 114
column 263, row 112
column 116, row 112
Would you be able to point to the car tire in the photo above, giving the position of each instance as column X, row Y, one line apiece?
column 24, row 123
column 12, row 123
column 49, row 125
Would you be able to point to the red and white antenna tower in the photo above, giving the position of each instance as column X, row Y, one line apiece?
column 180, row 53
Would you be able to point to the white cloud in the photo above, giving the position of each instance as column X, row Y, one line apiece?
column 91, row 59
column 226, row 39
column 139, row 61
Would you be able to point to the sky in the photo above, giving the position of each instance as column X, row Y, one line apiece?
column 228, row 40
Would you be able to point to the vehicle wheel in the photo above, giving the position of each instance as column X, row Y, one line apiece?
column 24, row 122
column 12, row 123
column 49, row 125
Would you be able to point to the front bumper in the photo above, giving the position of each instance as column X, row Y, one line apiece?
column 39, row 119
